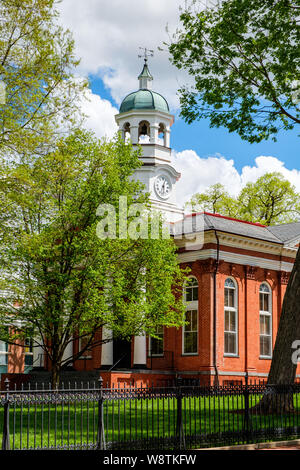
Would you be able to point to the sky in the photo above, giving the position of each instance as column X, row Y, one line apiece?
column 108, row 35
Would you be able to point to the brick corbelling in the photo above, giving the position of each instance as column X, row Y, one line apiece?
column 283, row 277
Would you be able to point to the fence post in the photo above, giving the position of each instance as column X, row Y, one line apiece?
column 5, row 437
column 179, row 424
column 100, row 436
column 247, row 424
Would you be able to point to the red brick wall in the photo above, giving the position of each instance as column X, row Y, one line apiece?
column 248, row 359
column 16, row 359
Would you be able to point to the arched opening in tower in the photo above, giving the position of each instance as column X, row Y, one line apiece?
column 144, row 132
column 126, row 132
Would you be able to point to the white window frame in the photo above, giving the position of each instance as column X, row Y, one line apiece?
column 192, row 305
column 4, row 353
column 28, row 353
column 268, row 314
column 234, row 310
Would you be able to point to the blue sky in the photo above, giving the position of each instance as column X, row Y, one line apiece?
column 207, row 141
column 108, row 37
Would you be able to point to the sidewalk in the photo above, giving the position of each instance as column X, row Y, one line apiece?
column 280, row 445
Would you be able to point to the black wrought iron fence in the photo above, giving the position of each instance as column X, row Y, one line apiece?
column 176, row 416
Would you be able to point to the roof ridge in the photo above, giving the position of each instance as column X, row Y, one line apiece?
column 215, row 214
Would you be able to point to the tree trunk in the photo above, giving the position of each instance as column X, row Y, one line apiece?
column 283, row 368
column 55, row 371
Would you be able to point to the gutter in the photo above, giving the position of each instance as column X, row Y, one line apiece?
column 216, row 379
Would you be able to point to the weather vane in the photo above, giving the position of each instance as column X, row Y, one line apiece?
column 146, row 53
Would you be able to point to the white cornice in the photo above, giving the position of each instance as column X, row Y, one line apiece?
column 236, row 258
column 242, row 242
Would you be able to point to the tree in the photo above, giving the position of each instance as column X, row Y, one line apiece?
column 270, row 200
column 214, row 199
column 63, row 279
column 38, row 92
column 243, row 56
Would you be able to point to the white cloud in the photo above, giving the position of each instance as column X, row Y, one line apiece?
column 270, row 164
column 108, row 35
column 100, row 115
column 197, row 173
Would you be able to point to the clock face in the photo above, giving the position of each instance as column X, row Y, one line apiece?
column 162, row 186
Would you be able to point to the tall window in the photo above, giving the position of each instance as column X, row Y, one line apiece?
column 82, row 342
column 190, row 329
column 3, row 353
column 28, row 351
column 157, row 344
column 230, row 320
column 265, row 321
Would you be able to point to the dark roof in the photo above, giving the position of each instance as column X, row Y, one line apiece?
column 286, row 232
column 280, row 234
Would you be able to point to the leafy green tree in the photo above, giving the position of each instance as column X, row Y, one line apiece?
column 244, row 58
column 270, row 200
column 60, row 280
column 37, row 92
column 215, row 200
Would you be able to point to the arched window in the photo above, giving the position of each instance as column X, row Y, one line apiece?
column 265, row 321
column 190, row 329
column 230, row 318
column 144, row 132
column 126, row 131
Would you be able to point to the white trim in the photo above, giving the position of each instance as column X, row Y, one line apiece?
column 234, row 309
column 194, row 353
column 236, row 258
column 191, row 305
column 267, row 314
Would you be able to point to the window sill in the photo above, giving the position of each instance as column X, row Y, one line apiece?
column 268, row 358
column 231, row 355
column 83, row 358
column 189, row 354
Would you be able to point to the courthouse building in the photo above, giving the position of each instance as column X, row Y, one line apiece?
column 239, row 273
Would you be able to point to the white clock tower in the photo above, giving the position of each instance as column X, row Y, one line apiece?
column 145, row 117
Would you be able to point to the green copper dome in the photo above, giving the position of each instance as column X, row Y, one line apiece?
column 144, row 99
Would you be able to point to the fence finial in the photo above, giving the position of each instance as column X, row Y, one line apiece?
column 6, row 383
column 100, row 380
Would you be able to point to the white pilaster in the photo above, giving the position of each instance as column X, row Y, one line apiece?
column 38, row 355
column 107, row 356
column 134, row 134
column 140, row 355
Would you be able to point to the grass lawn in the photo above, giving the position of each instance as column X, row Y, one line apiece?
column 206, row 420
